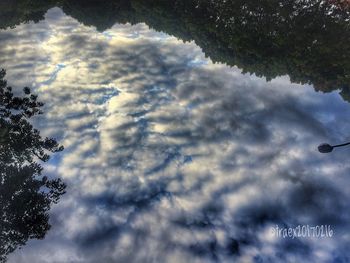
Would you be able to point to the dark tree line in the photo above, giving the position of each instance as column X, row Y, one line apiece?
column 25, row 194
column 308, row 40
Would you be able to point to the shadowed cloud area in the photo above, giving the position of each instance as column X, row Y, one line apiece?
column 170, row 157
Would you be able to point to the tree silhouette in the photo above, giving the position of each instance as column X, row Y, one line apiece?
column 308, row 40
column 22, row 11
column 25, row 194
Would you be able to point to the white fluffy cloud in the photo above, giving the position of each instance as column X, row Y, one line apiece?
column 171, row 158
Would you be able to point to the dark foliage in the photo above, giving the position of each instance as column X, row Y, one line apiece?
column 25, row 194
column 308, row 40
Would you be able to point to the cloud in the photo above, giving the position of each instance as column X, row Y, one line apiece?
column 170, row 157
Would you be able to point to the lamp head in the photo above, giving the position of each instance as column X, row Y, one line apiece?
column 325, row 148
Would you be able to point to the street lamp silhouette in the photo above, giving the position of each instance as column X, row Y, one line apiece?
column 327, row 148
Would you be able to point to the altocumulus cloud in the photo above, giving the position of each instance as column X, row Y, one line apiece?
column 170, row 158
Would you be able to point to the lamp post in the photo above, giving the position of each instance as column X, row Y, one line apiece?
column 327, row 148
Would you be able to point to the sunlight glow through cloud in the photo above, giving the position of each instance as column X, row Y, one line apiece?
column 169, row 156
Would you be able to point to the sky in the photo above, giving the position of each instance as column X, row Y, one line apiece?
column 171, row 158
